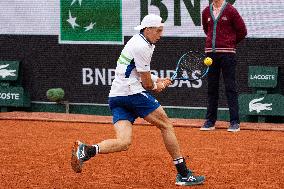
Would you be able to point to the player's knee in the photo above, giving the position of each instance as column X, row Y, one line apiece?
column 166, row 126
column 124, row 144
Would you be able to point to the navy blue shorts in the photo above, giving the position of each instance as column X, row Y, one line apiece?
column 133, row 106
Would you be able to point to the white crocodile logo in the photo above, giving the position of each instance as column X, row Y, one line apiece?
column 255, row 105
column 4, row 72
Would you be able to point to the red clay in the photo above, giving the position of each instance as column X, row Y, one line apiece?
column 62, row 117
column 36, row 154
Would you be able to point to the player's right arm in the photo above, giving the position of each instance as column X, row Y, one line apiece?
column 142, row 55
column 156, row 86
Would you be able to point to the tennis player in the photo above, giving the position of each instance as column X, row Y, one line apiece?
column 130, row 98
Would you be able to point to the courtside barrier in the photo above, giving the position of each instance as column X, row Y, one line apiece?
column 266, row 100
column 12, row 94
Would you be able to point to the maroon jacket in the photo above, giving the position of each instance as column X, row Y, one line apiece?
column 224, row 32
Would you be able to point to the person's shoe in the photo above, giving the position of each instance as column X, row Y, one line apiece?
column 234, row 126
column 79, row 155
column 208, row 126
column 189, row 180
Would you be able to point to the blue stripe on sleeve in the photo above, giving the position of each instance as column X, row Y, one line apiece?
column 129, row 68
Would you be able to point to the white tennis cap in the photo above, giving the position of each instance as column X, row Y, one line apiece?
column 150, row 20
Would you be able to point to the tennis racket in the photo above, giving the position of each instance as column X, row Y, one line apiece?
column 190, row 67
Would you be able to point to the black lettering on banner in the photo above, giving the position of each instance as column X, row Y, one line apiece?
column 157, row 3
column 193, row 10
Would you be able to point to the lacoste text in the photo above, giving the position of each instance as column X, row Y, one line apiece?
column 265, row 77
column 9, row 96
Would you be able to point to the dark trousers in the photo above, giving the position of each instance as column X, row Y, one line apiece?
column 225, row 63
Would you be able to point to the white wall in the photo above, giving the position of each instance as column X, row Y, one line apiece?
column 264, row 19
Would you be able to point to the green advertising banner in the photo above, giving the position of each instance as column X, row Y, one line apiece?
column 258, row 104
column 13, row 96
column 91, row 22
column 9, row 70
column 262, row 76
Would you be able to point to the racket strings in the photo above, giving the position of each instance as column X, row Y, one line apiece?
column 191, row 66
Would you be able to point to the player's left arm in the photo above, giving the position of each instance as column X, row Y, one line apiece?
column 239, row 25
column 166, row 81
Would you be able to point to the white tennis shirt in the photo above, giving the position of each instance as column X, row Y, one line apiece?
column 135, row 57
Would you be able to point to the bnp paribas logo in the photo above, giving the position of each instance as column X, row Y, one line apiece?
column 91, row 22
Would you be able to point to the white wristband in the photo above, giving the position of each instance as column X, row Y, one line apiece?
column 155, row 86
column 154, row 78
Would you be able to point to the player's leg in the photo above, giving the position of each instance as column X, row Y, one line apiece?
column 122, row 119
column 147, row 107
column 122, row 141
column 82, row 152
column 160, row 119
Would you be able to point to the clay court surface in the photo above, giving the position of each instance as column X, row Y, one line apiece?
column 36, row 149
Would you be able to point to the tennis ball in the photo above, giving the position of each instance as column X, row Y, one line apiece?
column 208, row 61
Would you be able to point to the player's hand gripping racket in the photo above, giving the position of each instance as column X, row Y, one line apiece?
column 191, row 67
